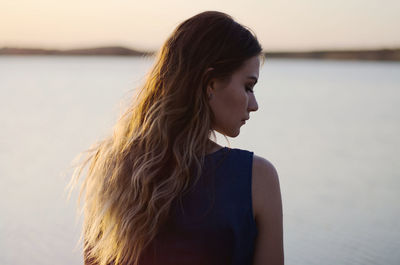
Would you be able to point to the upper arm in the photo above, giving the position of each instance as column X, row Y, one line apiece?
column 267, row 205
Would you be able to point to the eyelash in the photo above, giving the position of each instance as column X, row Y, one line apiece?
column 248, row 88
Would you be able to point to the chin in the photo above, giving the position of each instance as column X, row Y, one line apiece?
column 231, row 134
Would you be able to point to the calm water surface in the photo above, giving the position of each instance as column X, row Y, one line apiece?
column 330, row 128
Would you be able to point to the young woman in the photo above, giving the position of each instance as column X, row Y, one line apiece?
column 159, row 190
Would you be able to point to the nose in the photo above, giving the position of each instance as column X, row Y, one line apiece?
column 253, row 105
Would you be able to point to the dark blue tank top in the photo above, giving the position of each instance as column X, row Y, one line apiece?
column 213, row 223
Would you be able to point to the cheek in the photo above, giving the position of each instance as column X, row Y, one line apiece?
column 238, row 101
column 230, row 106
column 233, row 103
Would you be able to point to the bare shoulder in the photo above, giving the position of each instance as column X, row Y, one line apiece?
column 264, row 169
column 267, row 208
column 265, row 186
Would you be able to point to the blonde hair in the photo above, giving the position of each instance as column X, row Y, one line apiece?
column 158, row 146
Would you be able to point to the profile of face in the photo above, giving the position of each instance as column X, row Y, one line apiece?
column 231, row 102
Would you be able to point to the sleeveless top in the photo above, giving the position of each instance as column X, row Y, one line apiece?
column 213, row 223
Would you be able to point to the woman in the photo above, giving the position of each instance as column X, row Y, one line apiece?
column 159, row 191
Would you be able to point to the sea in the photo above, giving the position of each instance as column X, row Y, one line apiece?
column 330, row 128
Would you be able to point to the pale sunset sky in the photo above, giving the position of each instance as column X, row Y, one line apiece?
column 144, row 25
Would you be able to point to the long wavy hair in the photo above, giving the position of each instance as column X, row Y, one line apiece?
column 158, row 145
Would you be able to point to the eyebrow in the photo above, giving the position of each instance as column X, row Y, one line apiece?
column 254, row 78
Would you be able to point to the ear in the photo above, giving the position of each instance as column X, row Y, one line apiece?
column 211, row 82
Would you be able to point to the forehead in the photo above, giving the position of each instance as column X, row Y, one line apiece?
column 250, row 67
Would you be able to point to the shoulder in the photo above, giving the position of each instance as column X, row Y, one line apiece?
column 262, row 166
column 265, row 188
column 267, row 208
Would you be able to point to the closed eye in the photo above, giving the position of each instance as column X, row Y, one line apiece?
column 249, row 88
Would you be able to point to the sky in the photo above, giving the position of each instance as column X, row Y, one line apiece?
column 280, row 25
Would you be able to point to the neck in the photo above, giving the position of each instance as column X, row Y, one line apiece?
column 212, row 147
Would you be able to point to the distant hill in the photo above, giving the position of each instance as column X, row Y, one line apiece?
column 104, row 51
column 377, row 55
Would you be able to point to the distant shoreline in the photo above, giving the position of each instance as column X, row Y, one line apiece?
column 106, row 51
column 372, row 55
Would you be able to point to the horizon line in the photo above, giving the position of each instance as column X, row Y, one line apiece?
column 386, row 54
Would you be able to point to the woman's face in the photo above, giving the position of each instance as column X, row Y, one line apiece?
column 232, row 102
